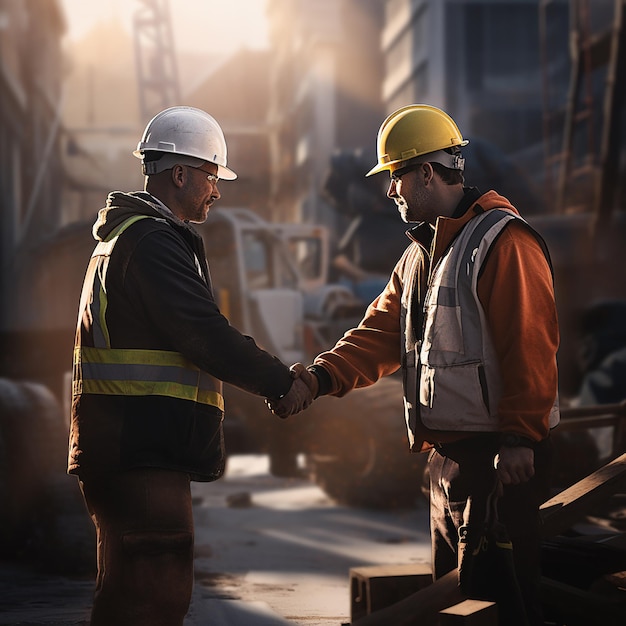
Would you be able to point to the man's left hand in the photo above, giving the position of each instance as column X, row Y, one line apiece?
column 515, row 465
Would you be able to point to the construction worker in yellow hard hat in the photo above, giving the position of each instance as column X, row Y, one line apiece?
column 468, row 315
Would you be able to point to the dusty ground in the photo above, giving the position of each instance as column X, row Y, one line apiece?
column 269, row 552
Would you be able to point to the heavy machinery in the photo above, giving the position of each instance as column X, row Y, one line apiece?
column 272, row 283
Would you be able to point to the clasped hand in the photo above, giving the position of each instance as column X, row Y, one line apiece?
column 299, row 397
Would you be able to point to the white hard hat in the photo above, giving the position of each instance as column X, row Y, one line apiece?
column 188, row 132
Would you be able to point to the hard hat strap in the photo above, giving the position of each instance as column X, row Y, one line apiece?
column 451, row 161
column 167, row 162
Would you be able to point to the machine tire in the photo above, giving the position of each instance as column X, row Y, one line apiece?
column 41, row 513
column 360, row 455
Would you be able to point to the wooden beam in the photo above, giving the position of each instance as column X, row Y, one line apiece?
column 565, row 509
column 580, row 605
column 616, row 410
column 470, row 613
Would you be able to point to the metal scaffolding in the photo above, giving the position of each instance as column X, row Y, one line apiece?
column 589, row 154
column 155, row 58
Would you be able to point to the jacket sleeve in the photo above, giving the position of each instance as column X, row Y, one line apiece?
column 165, row 286
column 372, row 349
column 516, row 291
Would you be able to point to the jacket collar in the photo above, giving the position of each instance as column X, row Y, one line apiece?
column 435, row 240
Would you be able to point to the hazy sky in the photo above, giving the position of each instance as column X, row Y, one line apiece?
column 199, row 25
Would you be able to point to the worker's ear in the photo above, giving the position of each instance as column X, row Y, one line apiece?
column 178, row 175
column 427, row 172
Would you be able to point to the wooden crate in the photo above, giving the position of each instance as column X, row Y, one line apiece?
column 375, row 587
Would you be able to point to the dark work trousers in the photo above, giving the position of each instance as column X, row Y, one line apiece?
column 464, row 470
column 144, row 532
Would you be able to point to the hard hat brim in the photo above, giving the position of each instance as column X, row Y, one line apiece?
column 225, row 173
column 380, row 167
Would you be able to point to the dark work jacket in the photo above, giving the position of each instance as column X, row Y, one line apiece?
column 159, row 297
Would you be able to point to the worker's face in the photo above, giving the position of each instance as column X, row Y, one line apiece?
column 200, row 192
column 410, row 190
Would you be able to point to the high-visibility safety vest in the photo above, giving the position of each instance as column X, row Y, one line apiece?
column 100, row 369
column 453, row 380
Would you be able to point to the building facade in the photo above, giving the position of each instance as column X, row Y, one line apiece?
column 236, row 93
column 483, row 61
column 30, row 123
column 326, row 72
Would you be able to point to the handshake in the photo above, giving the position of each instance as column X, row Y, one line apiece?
column 300, row 396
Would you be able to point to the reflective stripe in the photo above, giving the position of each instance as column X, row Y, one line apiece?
column 144, row 372
column 99, row 306
column 100, row 302
column 146, row 388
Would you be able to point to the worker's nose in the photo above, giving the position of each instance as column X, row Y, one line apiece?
column 391, row 190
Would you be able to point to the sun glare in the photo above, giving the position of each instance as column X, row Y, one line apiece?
column 207, row 26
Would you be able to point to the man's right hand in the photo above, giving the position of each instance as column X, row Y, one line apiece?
column 308, row 378
column 515, row 465
column 302, row 393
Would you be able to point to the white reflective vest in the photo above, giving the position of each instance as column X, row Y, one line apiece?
column 101, row 369
column 453, row 380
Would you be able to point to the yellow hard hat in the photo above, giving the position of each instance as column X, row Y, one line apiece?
column 412, row 131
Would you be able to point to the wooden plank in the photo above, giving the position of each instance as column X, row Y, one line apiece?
column 565, row 509
column 617, row 579
column 617, row 410
column 470, row 613
column 382, row 571
column 581, row 606
column 591, row 421
column 615, row 541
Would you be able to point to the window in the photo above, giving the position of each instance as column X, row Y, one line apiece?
column 256, row 262
column 500, row 58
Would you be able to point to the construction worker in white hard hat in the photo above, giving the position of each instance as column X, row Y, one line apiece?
column 152, row 350
column 471, row 306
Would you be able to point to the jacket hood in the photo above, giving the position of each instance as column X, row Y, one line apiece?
column 493, row 200
column 120, row 206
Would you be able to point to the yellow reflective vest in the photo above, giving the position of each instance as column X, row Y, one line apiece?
column 100, row 369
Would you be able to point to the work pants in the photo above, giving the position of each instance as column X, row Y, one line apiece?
column 464, row 470
column 144, row 532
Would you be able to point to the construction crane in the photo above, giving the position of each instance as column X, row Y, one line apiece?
column 155, row 58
